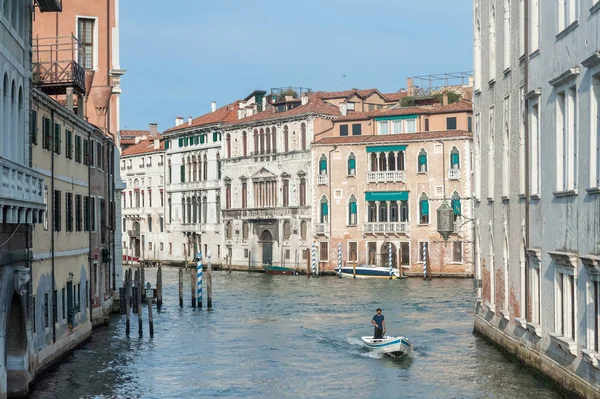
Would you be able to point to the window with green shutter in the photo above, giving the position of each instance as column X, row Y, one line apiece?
column 182, row 172
column 180, row 142
column 424, row 209
column 47, row 134
column 202, row 139
column 323, row 165
column 167, row 144
column 324, row 211
column 422, row 160
column 78, row 149
column 456, row 206
column 33, row 127
column 86, row 152
column 215, row 136
column 57, row 138
column 69, row 144
column 351, row 165
column 352, row 217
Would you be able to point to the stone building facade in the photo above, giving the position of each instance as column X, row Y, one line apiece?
column 379, row 179
column 143, row 205
column 267, row 185
column 21, row 196
column 538, row 208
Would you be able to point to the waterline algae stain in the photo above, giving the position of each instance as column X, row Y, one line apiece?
column 292, row 337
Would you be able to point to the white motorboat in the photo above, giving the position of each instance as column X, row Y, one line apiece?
column 390, row 345
column 370, row 271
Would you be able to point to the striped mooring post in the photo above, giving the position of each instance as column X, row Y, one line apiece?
column 314, row 259
column 424, row 260
column 340, row 259
column 390, row 260
column 199, row 270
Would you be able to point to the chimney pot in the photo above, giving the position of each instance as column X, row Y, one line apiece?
column 156, row 144
column 178, row 120
column 344, row 109
column 213, row 106
column 153, row 130
column 190, row 121
column 445, row 98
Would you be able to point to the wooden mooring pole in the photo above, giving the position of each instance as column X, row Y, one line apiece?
column 127, row 298
column 209, row 285
column 159, row 288
column 139, row 304
column 134, row 276
column 249, row 260
column 180, row 288
column 143, row 281
column 193, row 284
column 149, row 302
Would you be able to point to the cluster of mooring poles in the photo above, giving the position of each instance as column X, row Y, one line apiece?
column 196, row 283
column 135, row 292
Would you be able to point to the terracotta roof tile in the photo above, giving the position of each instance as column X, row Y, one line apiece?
column 134, row 133
column 395, row 96
column 227, row 113
column 329, row 95
column 143, row 147
column 315, row 106
column 461, row 106
column 403, row 137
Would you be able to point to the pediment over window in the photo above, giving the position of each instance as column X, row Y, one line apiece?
column 243, row 177
column 301, row 173
column 264, row 173
column 535, row 254
column 565, row 259
column 591, row 262
column 285, row 175
column 227, row 179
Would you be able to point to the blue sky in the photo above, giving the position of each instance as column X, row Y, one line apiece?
column 182, row 54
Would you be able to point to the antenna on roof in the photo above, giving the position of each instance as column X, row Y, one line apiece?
column 344, row 80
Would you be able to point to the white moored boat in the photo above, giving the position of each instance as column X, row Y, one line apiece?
column 389, row 345
column 370, row 271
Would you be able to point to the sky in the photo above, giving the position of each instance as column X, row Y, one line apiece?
column 182, row 54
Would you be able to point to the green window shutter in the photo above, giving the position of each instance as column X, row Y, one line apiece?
column 201, row 139
column 324, row 209
column 219, row 169
column 215, row 136
column 182, row 168
column 46, row 133
column 352, row 163
column 422, row 159
column 353, row 207
column 57, row 138
column 456, row 206
column 424, row 207
column 167, row 144
column 323, row 165
column 33, row 127
column 454, row 160
column 180, row 141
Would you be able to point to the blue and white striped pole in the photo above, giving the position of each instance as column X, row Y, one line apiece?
column 424, row 260
column 340, row 259
column 199, row 270
column 314, row 259
column 390, row 259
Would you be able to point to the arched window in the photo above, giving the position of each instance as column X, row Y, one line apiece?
column 422, row 161
column 302, row 192
column 351, row 164
column 274, row 139
column 245, row 143
column 245, row 231
column 303, row 229
column 424, row 209
column 6, row 105
column 400, row 161
column 218, row 166
column 268, row 141
column 205, row 168
column 194, row 209
column 374, row 162
column 383, row 211
column 218, row 215
column 456, row 205
column 392, row 161
column 323, row 165
column 303, row 135
column 229, row 231
column 228, row 140
column 228, row 196
column 286, row 193
column 382, row 162
column 454, row 159
column 286, row 139
column 324, row 210
column 286, row 230
column 352, row 211
column 244, row 195
column 256, row 149
column 262, row 141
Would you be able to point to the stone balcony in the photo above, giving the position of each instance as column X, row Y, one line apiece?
column 323, row 180
column 398, row 176
column 453, row 174
column 265, row 213
column 386, row 227
column 21, row 193
column 322, row 228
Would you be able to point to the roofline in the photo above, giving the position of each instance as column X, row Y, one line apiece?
column 237, row 125
column 461, row 134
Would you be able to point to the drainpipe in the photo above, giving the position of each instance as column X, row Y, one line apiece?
column 52, row 144
column 90, row 280
column 527, row 169
column 330, row 197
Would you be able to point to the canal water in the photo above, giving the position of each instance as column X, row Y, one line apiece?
column 293, row 337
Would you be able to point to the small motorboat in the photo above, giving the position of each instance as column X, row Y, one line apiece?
column 370, row 271
column 270, row 269
column 389, row 345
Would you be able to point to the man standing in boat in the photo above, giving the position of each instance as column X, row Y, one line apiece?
column 379, row 323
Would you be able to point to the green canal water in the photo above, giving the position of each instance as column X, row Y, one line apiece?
column 293, row 337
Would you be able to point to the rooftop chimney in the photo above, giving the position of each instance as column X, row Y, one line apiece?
column 409, row 86
column 178, row 120
column 445, row 98
column 153, row 130
column 213, row 106
column 189, row 121
column 304, row 98
column 156, row 144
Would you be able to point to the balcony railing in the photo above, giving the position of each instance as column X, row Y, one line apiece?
column 49, row 5
column 265, row 213
column 55, row 67
column 322, row 228
column 21, row 190
column 398, row 176
column 386, row 227
column 453, row 174
column 322, row 179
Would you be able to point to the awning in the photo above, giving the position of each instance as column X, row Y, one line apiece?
column 384, row 148
column 387, row 196
column 396, row 118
